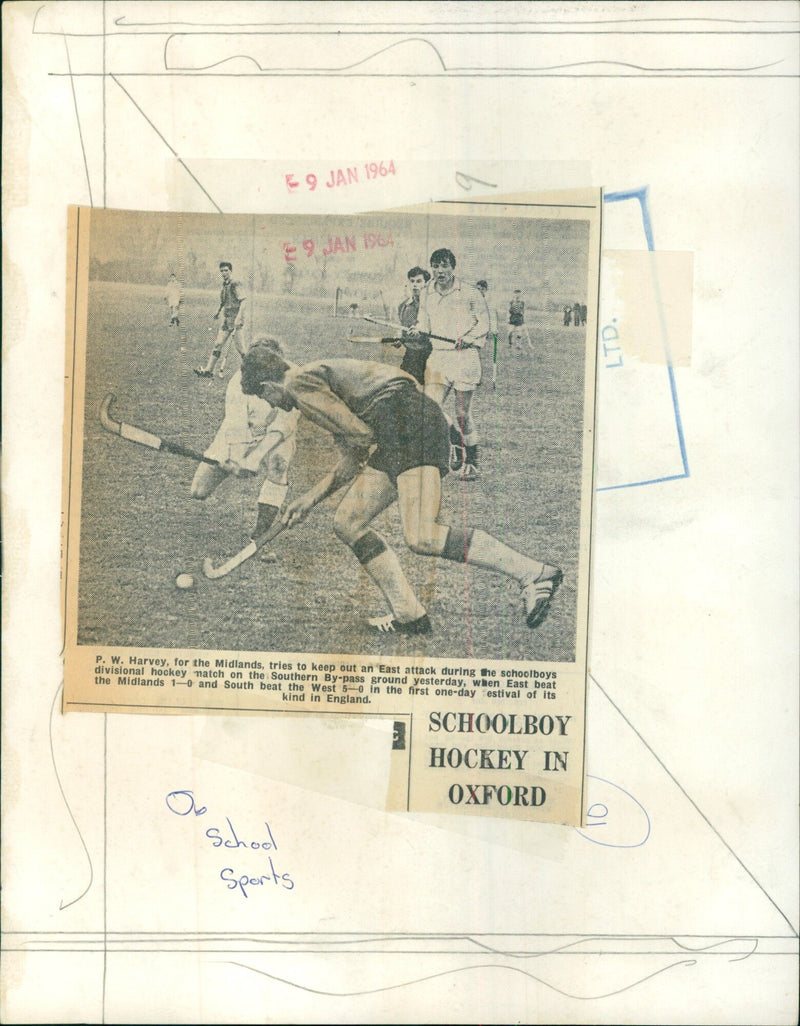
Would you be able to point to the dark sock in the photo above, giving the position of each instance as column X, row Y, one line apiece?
column 266, row 515
column 472, row 455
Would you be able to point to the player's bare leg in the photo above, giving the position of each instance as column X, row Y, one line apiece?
column 419, row 499
column 271, row 498
column 369, row 495
column 206, row 479
column 207, row 370
column 438, row 389
column 469, row 436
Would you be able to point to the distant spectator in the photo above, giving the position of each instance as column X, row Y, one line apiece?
column 517, row 331
column 173, row 298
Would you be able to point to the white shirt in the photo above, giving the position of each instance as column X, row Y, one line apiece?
column 460, row 313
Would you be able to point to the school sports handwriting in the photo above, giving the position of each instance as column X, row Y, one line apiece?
column 261, row 871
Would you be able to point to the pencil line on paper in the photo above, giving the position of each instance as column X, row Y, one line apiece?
column 105, row 87
column 168, row 146
column 105, row 862
column 311, row 73
column 392, row 30
column 334, row 27
column 356, row 937
column 696, row 807
column 345, row 67
column 463, row 969
column 78, row 120
column 63, row 905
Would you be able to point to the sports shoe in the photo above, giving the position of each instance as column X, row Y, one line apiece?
column 388, row 625
column 469, row 472
column 201, row 372
column 537, row 594
column 456, row 461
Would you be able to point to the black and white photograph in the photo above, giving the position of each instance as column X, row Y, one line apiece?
column 343, row 434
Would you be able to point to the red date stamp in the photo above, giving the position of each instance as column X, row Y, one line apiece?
column 337, row 244
column 339, row 176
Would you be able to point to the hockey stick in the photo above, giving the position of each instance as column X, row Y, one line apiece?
column 401, row 329
column 142, row 437
column 212, row 572
column 375, row 339
column 226, row 348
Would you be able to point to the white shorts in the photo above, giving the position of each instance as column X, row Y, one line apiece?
column 247, row 432
column 454, row 368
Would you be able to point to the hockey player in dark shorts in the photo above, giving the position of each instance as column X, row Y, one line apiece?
column 417, row 349
column 395, row 448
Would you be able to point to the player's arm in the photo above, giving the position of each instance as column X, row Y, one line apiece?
column 418, row 335
column 317, row 402
column 256, row 456
column 239, row 322
column 476, row 335
column 351, row 462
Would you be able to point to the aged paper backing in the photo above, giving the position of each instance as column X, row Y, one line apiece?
column 678, row 900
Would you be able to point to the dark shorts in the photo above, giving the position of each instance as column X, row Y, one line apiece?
column 414, row 362
column 410, row 431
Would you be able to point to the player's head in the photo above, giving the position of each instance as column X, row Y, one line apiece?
column 517, row 292
column 482, row 285
column 443, row 263
column 419, row 278
column 272, row 345
column 443, row 256
column 263, row 371
column 226, row 269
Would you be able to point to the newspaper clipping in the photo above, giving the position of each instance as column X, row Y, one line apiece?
column 341, row 466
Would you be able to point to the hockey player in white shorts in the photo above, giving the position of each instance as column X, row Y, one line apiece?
column 455, row 310
column 253, row 434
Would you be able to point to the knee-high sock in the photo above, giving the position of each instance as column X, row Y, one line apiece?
column 383, row 567
column 482, row 549
column 266, row 515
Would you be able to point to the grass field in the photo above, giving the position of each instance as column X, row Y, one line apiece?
column 140, row 528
